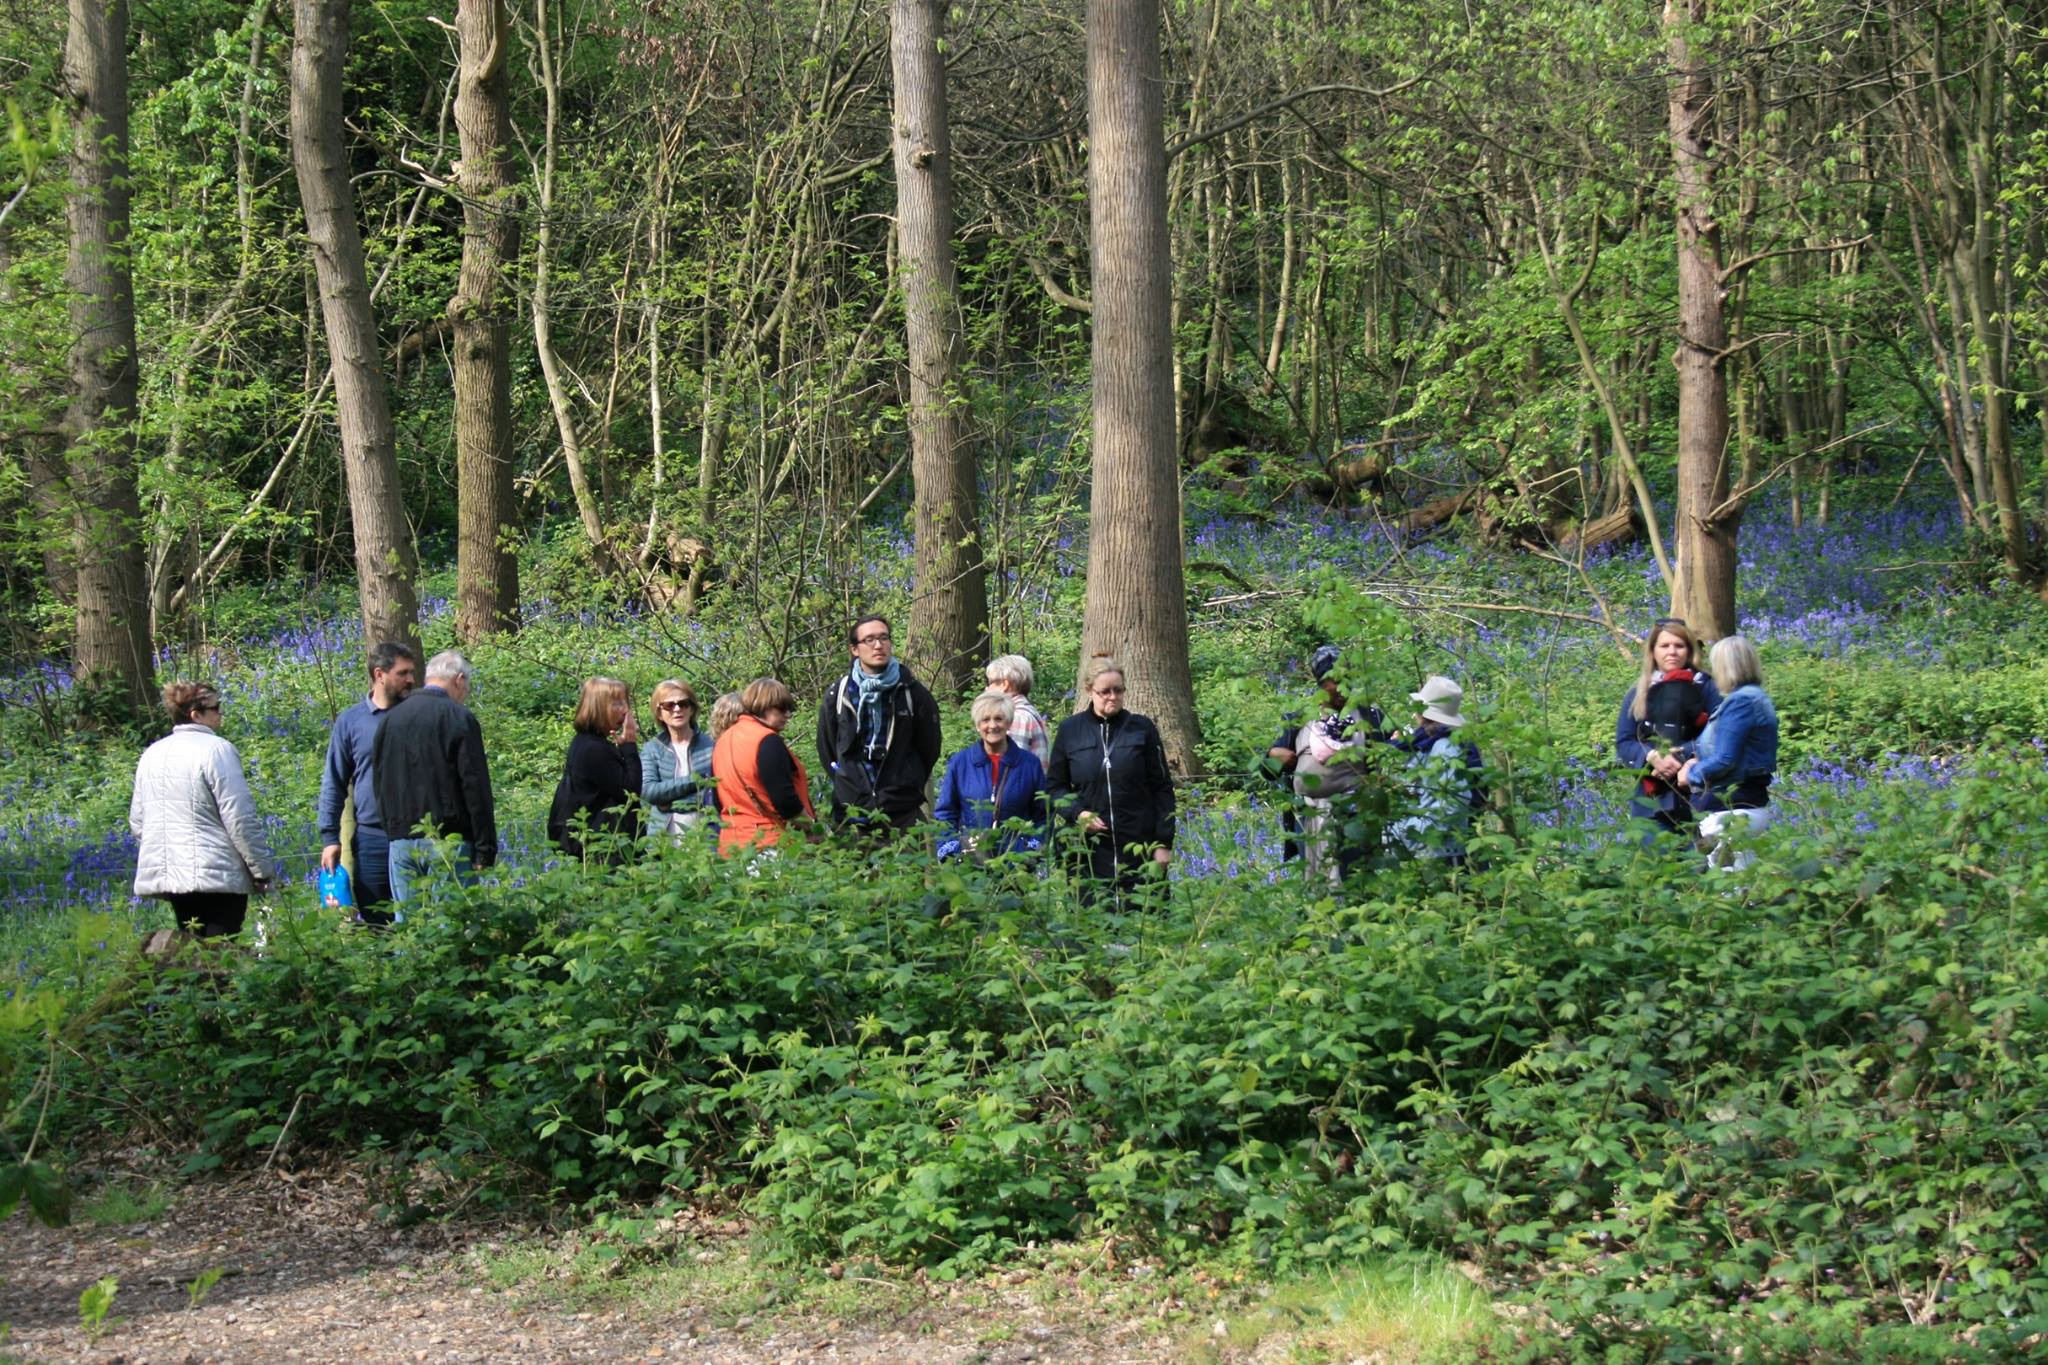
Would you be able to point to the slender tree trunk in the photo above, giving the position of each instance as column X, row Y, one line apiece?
column 1137, row 595
column 112, row 647
column 1977, row 268
column 39, row 437
column 949, row 611
column 1703, row 591
column 486, row 565
column 587, row 509
column 386, row 563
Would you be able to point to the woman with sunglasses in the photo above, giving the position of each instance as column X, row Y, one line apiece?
column 675, row 765
column 202, row 847
column 1660, row 724
column 1108, row 775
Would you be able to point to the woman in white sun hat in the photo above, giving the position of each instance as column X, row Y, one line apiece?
column 1445, row 786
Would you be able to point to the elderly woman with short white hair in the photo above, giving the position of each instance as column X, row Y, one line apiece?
column 990, row 783
column 1738, row 751
column 1011, row 675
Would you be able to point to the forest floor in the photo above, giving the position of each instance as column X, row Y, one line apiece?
column 310, row 1274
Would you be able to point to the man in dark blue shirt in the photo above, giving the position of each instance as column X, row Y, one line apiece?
column 394, row 671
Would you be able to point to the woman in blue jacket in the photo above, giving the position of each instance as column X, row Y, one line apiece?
column 1738, row 751
column 675, row 766
column 990, row 783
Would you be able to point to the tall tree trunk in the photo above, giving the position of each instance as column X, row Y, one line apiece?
column 1703, row 591
column 386, row 563
column 949, row 611
column 486, row 565
column 1137, row 596
column 112, row 647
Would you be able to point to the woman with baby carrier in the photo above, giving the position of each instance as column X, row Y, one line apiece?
column 1658, row 730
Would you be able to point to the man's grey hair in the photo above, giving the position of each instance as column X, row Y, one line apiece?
column 1013, row 669
column 450, row 665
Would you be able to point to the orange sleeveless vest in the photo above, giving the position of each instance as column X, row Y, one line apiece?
column 747, row 819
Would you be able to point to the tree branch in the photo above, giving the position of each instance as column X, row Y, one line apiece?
column 1174, row 149
column 1730, row 270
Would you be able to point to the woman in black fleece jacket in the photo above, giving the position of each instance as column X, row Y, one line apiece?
column 1108, row 775
column 601, row 777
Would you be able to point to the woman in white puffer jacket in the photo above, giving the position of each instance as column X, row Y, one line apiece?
column 202, row 845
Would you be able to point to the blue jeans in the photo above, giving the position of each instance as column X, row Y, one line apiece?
column 416, row 861
column 373, row 872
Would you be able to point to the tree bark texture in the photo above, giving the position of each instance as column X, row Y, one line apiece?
column 1137, row 597
column 486, row 564
column 112, row 646
column 949, row 609
column 1703, row 591
column 386, row 562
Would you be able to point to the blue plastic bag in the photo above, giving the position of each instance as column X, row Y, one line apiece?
column 335, row 893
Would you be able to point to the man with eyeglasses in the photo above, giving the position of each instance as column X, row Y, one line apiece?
column 878, row 735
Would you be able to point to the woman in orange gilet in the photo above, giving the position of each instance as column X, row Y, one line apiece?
column 762, row 788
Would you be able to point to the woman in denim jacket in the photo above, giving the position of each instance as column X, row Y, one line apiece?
column 675, row 766
column 1738, row 751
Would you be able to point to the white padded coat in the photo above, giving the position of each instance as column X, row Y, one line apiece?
column 196, row 820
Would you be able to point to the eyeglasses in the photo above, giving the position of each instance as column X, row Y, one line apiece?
column 202, row 710
column 1109, row 691
column 872, row 640
column 677, row 706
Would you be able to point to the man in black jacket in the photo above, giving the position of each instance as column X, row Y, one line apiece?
column 878, row 734
column 428, row 758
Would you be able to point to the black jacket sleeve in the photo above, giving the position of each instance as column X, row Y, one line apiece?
column 473, row 772
column 1059, row 778
column 777, row 767
column 929, row 739
column 1160, row 780
column 828, row 730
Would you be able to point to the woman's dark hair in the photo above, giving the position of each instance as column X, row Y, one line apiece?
column 184, row 700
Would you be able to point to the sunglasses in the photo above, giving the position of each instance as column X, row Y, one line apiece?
column 677, row 706
column 1667, row 621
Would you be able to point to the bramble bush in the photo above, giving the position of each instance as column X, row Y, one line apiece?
column 1689, row 1114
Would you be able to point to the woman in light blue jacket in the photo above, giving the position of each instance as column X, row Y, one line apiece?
column 1738, row 751
column 675, row 765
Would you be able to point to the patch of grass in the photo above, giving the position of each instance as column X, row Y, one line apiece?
column 722, row 1276
column 122, row 1205
column 1402, row 1309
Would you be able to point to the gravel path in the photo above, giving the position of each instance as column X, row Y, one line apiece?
column 310, row 1276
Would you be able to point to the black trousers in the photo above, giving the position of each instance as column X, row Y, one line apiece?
column 1124, row 880
column 219, row 913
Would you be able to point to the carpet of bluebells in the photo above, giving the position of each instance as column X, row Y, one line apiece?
column 1870, row 585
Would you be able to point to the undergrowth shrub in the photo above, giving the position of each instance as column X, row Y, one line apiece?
column 1689, row 1114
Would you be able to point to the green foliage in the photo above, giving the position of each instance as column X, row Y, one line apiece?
column 48, row 1196
column 1683, row 1114
column 201, row 1286
column 94, row 1305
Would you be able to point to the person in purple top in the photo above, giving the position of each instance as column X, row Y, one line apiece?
column 394, row 672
